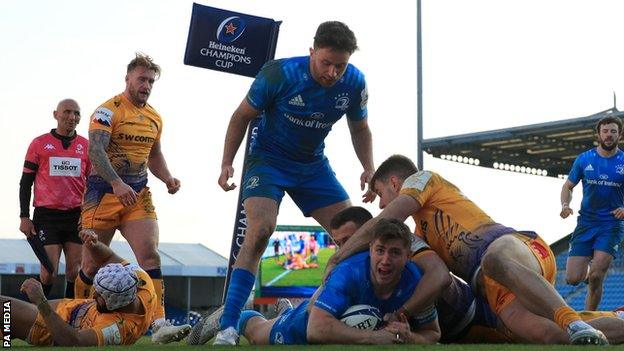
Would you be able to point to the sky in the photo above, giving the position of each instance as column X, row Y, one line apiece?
column 486, row 65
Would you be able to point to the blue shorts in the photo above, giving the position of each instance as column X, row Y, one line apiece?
column 291, row 327
column 310, row 185
column 588, row 237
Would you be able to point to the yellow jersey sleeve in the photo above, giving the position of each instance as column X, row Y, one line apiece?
column 106, row 115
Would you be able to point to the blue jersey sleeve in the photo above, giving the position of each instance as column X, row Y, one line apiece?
column 335, row 296
column 358, row 110
column 576, row 173
column 266, row 86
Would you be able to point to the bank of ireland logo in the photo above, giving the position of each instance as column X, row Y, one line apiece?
column 231, row 29
column 252, row 182
column 620, row 169
column 342, row 102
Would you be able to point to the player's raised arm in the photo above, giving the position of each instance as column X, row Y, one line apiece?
column 400, row 208
column 239, row 121
column 100, row 253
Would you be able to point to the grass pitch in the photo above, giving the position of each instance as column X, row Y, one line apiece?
column 145, row 344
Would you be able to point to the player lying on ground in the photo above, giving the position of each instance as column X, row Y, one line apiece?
column 119, row 314
column 518, row 268
column 466, row 318
column 382, row 277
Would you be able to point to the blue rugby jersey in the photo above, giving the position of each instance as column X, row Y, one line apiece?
column 350, row 284
column 603, row 180
column 297, row 112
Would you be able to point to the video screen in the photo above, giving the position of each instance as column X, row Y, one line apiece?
column 294, row 261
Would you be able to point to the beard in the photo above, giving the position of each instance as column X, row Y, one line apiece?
column 606, row 147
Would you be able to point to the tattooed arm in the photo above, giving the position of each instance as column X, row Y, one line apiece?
column 98, row 142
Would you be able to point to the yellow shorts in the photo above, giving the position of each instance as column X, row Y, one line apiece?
column 109, row 213
column 498, row 296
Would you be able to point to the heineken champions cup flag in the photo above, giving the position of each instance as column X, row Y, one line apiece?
column 230, row 41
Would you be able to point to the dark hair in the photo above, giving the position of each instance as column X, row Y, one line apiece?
column 609, row 120
column 335, row 35
column 356, row 214
column 143, row 60
column 397, row 165
column 392, row 229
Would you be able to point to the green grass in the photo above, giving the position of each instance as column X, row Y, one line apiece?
column 145, row 344
column 302, row 277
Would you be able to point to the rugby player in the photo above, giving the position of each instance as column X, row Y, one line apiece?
column 600, row 228
column 124, row 137
column 517, row 268
column 120, row 313
column 298, row 100
column 57, row 164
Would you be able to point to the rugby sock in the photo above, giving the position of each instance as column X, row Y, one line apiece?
column 159, row 286
column 46, row 289
column 564, row 316
column 245, row 316
column 589, row 315
column 241, row 283
column 82, row 286
column 69, row 290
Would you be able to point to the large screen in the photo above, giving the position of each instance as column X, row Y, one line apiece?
column 294, row 261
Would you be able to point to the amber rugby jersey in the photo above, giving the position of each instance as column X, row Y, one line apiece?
column 133, row 132
column 454, row 226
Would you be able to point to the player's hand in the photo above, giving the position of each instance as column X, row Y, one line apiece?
column 126, row 195
column 385, row 337
column 369, row 195
column 227, row 172
column 618, row 213
column 400, row 328
column 89, row 238
column 566, row 211
column 173, row 185
column 32, row 288
column 27, row 227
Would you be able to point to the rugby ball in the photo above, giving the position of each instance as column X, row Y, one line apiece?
column 362, row 317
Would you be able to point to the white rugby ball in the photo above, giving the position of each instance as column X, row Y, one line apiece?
column 362, row 317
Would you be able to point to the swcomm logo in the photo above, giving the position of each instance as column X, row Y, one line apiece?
column 231, row 29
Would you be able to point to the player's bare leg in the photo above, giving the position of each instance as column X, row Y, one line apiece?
column 596, row 275
column 510, row 262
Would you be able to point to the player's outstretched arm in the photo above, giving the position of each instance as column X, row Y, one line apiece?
column 323, row 328
column 239, row 121
column 100, row 253
column 362, row 140
column 400, row 208
column 62, row 333
column 435, row 279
